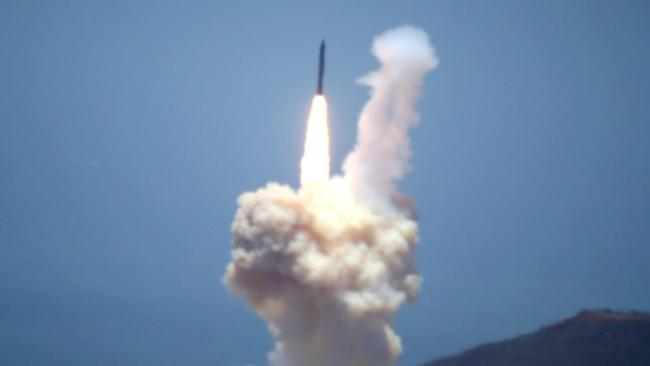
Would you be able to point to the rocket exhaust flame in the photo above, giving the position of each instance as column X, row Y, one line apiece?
column 328, row 265
column 315, row 163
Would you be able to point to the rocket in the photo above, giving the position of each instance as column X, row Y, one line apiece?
column 321, row 68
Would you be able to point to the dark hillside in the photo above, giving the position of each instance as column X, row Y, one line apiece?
column 590, row 338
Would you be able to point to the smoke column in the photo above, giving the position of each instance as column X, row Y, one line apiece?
column 328, row 265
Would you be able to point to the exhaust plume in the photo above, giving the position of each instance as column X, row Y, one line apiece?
column 315, row 163
column 382, row 151
column 328, row 265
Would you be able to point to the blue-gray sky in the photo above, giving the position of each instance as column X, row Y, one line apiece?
column 128, row 129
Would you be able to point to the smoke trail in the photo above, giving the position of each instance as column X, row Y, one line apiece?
column 328, row 265
column 382, row 151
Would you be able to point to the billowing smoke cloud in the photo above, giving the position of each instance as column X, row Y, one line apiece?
column 328, row 265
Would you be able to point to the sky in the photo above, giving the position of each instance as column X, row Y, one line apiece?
column 129, row 128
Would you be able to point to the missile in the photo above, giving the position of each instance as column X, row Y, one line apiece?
column 321, row 68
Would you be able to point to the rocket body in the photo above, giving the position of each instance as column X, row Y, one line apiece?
column 321, row 68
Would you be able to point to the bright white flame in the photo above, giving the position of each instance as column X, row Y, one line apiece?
column 315, row 163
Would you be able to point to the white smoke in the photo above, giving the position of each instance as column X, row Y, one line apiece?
column 382, row 151
column 328, row 265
